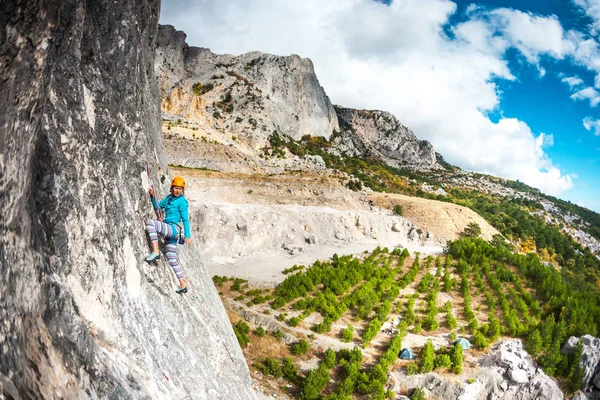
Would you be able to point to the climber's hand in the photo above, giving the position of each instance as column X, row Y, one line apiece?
column 188, row 241
column 151, row 191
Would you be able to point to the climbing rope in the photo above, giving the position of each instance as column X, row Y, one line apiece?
column 156, row 210
column 159, row 367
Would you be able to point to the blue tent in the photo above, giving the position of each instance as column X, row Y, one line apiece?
column 406, row 354
column 464, row 343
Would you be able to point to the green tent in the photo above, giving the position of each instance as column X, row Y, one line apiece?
column 406, row 354
column 465, row 344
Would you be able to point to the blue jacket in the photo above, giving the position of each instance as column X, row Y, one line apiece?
column 176, row 210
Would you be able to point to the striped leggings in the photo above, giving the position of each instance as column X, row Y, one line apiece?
column 156, row 228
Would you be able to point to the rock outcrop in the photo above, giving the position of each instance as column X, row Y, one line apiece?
column 506, row 372
column 81, row 314
column 372, row 133
column 590, row 362
column 250, row 95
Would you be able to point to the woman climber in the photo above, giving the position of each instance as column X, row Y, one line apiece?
column 176, row 210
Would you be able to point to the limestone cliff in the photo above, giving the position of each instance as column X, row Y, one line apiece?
column 379, row 134
column 81, row 314
column 250, row 95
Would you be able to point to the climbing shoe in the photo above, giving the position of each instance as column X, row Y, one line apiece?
column 152, row 257
column 181, row 290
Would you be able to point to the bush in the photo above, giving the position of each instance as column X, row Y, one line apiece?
column 260, row 331
column 348, row 334
column 398, row 210
column 270, row 366
column 457, row 358
column 289, row 370
column 472, row 230
column 199, row 89
column 451, row 320
column 412, row 368
column 443, row 361
column 241, row 330
column 480, row 341
column 294, row 321
column 300, row 348
column 418, row 394
column 278, row 334
column 427, row 357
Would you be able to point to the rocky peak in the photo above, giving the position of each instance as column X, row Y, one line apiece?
column 250, row 95
column 380, row 134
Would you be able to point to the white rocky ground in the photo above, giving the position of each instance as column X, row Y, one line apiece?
column 255, row 229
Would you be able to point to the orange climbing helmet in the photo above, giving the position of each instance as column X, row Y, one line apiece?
column 178, row 181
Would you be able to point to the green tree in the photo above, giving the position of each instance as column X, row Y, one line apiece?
column 457, row 358
column 241, row 330
column 472, row 230
column 427, row 357
column 289, row 370
column 300, row 348
column 576, row 373
column 534, row 343
column 418, row 394
column 443, row 361
column 348, row 334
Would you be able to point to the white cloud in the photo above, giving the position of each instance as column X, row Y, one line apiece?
column 592, row 9
column 592, row 125
column 572, row 81
column 399, row 59
column 532, row 35
column 587, row 94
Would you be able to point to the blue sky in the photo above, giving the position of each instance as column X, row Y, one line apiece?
column 510, row 88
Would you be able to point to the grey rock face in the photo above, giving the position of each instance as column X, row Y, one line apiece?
column 253, row 94
column 522, row 378
column 590, row 361
column 379, row 134
column 81, row 314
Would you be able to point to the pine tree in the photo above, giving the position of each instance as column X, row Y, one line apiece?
column 457, row 358
column 428, row 357
column 534, row 343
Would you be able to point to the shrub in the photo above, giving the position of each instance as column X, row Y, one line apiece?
column 348, row 334
column 300, row 348
column 427, row 357
column 412, row 368
column 480, row 341
column 278, row 334
column 289, row 370
column 294, row 321
column 451, row 320
column 199, row 89
column 443, row 361
column 241, row 330
column 472, row 230
column 418, row 394
column 417, row 329
column 457, row 358
column 398, row 210
column 270, row 366
column 260, row 331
